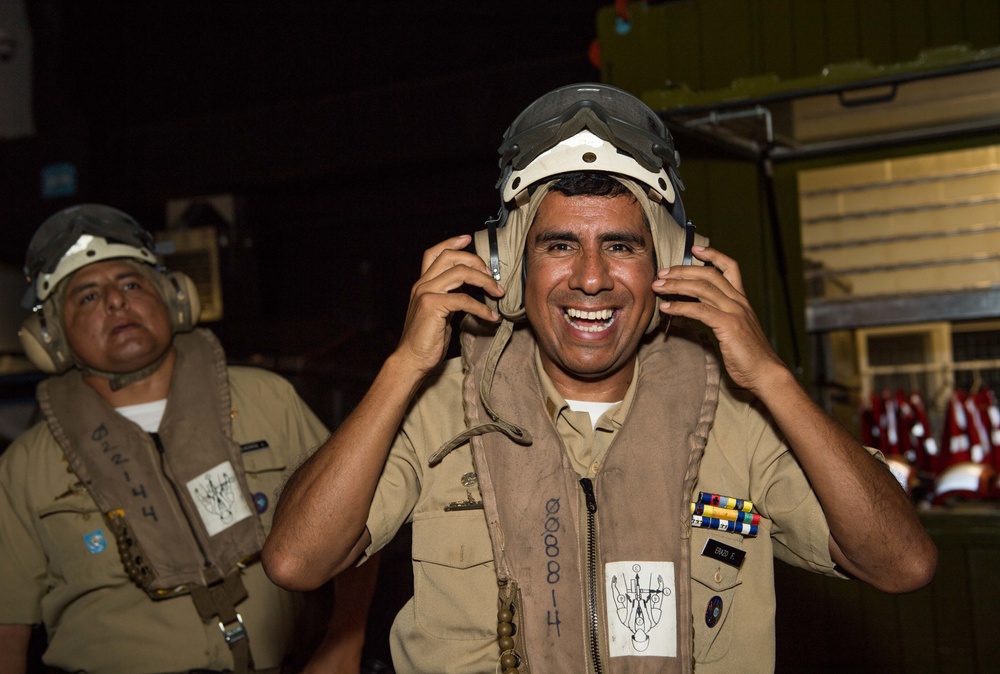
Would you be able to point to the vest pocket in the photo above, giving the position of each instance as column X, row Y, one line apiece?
column 713, row 588
column 454, row 579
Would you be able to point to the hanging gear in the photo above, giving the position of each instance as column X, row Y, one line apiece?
column 891, row 426
column 987, row 403
column 980, row 446
column 925, row 447
column 955, row 436
column 871, row 421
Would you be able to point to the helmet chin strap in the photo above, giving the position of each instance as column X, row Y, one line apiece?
column 119, row 380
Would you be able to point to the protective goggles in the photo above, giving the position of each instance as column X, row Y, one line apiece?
column 76, row 237
column 614, row 115
column 45, row 252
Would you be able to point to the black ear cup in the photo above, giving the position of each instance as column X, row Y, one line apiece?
column 44, row 341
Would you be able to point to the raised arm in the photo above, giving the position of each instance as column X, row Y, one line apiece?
column 875, row 534
column 319, row 524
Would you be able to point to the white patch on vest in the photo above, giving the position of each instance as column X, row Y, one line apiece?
column 642, row 609
column 219, row 499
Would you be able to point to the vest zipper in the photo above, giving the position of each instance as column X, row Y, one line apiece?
column 595, row 623
column 177, row 495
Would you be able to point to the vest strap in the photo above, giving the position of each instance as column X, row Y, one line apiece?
column 218, row 602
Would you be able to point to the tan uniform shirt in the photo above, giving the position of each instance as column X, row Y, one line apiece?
column 99, row 621
column 450, row 623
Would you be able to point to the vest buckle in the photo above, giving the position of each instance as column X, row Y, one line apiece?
column 233, row 631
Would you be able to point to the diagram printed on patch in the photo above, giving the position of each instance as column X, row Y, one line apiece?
column 219, row 499
column 642, row 609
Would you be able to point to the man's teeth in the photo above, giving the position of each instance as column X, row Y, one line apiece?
column 605, row 315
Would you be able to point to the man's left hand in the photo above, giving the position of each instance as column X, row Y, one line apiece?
column 722, row 306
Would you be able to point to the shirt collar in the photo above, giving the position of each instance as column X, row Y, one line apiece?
column 555, row 404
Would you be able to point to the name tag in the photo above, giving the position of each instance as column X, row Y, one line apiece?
column 253, row 446
column 726, row 554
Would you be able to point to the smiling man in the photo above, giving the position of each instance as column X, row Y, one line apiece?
column 132, row 516
column 590, row 488
column 590, row 259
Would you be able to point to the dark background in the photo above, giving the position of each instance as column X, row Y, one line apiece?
column 353, row 134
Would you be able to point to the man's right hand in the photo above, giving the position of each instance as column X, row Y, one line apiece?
column 446, row 267
column 319, row 525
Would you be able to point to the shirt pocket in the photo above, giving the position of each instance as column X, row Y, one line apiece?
column 78, row 542
column 713, row 590
column 266, row 471
column 454, row 579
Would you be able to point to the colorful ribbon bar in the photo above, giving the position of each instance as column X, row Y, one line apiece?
column 724, row 525
column 725, row 501
column 725, row 513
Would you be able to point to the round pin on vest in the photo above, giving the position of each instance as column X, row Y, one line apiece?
column 714, row 611
column 260, row 500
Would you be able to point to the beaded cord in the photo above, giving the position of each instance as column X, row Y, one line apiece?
column 509, row 660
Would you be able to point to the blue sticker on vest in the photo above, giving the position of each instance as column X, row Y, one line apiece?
column 714, row 611
column 95, row 541
column 260, row 500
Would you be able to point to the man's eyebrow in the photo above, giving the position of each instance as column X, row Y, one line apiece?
column 624, row 237
column 74, row 291
column 79, row 289
column 612, row 236
column 556, row 235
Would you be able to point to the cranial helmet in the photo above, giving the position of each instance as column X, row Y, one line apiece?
column 74, row 238
column 583, row 128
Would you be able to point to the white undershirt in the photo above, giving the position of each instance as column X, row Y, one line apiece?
column 145, row 415
column 595, row 410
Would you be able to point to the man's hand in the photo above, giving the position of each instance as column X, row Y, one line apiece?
column 874, row 531
column 433, row 301
column 722, row 306
column 319, row 526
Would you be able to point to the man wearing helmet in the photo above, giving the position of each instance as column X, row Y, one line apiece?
column 132, row 517
column 550, row 473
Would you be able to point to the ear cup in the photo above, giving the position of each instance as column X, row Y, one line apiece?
column 510, row 240
column 45, row 343
column 180, row 294
column 185, row 303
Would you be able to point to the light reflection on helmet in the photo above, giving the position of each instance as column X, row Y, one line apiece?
column 76, row 237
